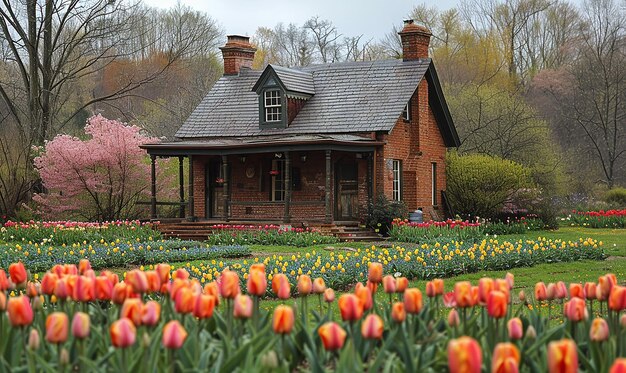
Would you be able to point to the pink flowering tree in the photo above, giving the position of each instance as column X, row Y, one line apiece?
column 100, row 178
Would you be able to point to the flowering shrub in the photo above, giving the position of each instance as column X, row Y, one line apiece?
column 344, row 269
column 115, row 254
column 267, row 235
column 157, row 320
column 597, row 219
column 71, row 232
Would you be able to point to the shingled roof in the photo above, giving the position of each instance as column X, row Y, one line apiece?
column 347, row 98
column 293, row 80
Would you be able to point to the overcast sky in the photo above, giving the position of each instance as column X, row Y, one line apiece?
column 372, row 18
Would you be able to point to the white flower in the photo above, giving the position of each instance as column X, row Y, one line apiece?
column 397, row 274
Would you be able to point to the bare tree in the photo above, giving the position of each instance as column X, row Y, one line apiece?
column 325, row 38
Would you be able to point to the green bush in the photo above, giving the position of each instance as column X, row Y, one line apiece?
column 380, row 215
column 616, row 197
column 480, row 185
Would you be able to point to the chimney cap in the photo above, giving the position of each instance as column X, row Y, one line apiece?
column 410, row 27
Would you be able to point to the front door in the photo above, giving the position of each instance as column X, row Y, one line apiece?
column 347, row 191
column 215, row 189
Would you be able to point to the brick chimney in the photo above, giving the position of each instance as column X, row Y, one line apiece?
column 238, row 53
column 415, row 41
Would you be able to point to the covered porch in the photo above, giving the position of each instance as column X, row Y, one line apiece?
column 292, row 180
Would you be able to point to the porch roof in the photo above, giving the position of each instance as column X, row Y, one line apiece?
column 263, row 144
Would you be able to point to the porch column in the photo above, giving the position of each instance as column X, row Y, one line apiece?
column 191, row 216
column 226, row 182
column 328, row 217
column 153, row 212
column 181, row 185
column 370, row 179
column 287, row 217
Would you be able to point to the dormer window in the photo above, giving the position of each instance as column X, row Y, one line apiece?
column 273, row 106
column 406, row 113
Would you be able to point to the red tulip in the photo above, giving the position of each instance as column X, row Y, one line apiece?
column 204, row 306
column 515, row 329
column 103, row 288
column 599, row 331
column 541, row 293
column 332, row 335
column 283, row 320
column 372, row 327
column 619, row 366
column 464, row 356
column 60, row 289
column 33, row 289
column 576, row 290
column 19, row 311
column 617, row 298
column 413, row 302
column 18, row 273
column 562, row 356
column 80, row 325
column 375, row 273
column 389, row 284
column 48, row 282
column 605, row 285
column 174, row 335
column 84, row 289
column 590, row 290
column 506, row 358
column 497, row 304
column 113, row 277
column 575, row 310
column 430, row 290
column 398, row 313
column 3, row 302
column 184, row 301
column 4, row 281
column 150, row 313
column 350, row 307
column 449, row 299
column 281, row 286
column 305, row 285
column 181, row 274
column 57, row 326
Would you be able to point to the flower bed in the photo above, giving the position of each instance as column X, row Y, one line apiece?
column 77, row 321
column 71, row 232
column 267, row 235
column 342, row 270
column 596, row 219
column 39, row 258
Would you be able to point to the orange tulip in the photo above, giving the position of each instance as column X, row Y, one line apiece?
column 304, row 285
column 389, row 284
column 120, row 292
column 212, row 289
column 375, row 273
column 48, row 282
column 60, row 289
column 319, row 286
column 413, row 302
column 541, row 292
column 430, row 290
column 123, row 333
column 181, row 274
column 83, row 266
column 329, row 295
column 150, row 313
column 576, row 290
column 154, row 281
column 398, row 313
column 103, row 288
column 515, row 328
column 575, row 310
column 510, row 279
column 174, row 335
column 113, row 277
column 257, row 281
column 599, row 331
column 229, row 284
column 551, row 291
column 184, row 301
column 132, row 310
column 439, row 286
column 622, row 321
column 453, row 318
column 34, row 340
column 32, row 289
column 163, row 270
column 590, row 290
column 84, row 289
column 281, row 286
column 332, row 335
column 137, row 280
column 175, row 286
column 372, row 327
column 257, row 267
column 372, row 286
column 401, row 284
column 464, row 356
column 19, row 311
column 80, row 325
column 562, row 356
column 4, row 281
column 204, row 306
column 283, row 320
column 365, row 296
column 605, row 285
column 463, row 294
column 350, row 307
column 18, row 273
column 3, row 301
column 619, row 366
column 503, row 286
column 497, row 304
column 506, row 358
column 617, row 298
column 57, row 326
column 485, row 286
column 243, row 307
column 561, row 290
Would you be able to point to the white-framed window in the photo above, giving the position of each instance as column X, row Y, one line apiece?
column 406, row 113
column 434, row 182
column 397, row 180
column 278, row 180
column 273, row 106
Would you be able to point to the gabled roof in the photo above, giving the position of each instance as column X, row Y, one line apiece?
column 292, row 80
column 348, row 98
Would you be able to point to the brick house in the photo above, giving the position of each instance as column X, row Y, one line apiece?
column 314, row 144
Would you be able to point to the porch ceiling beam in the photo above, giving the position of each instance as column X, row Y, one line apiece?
column 179, row 150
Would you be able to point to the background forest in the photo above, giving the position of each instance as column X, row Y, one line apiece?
column 538, row 82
